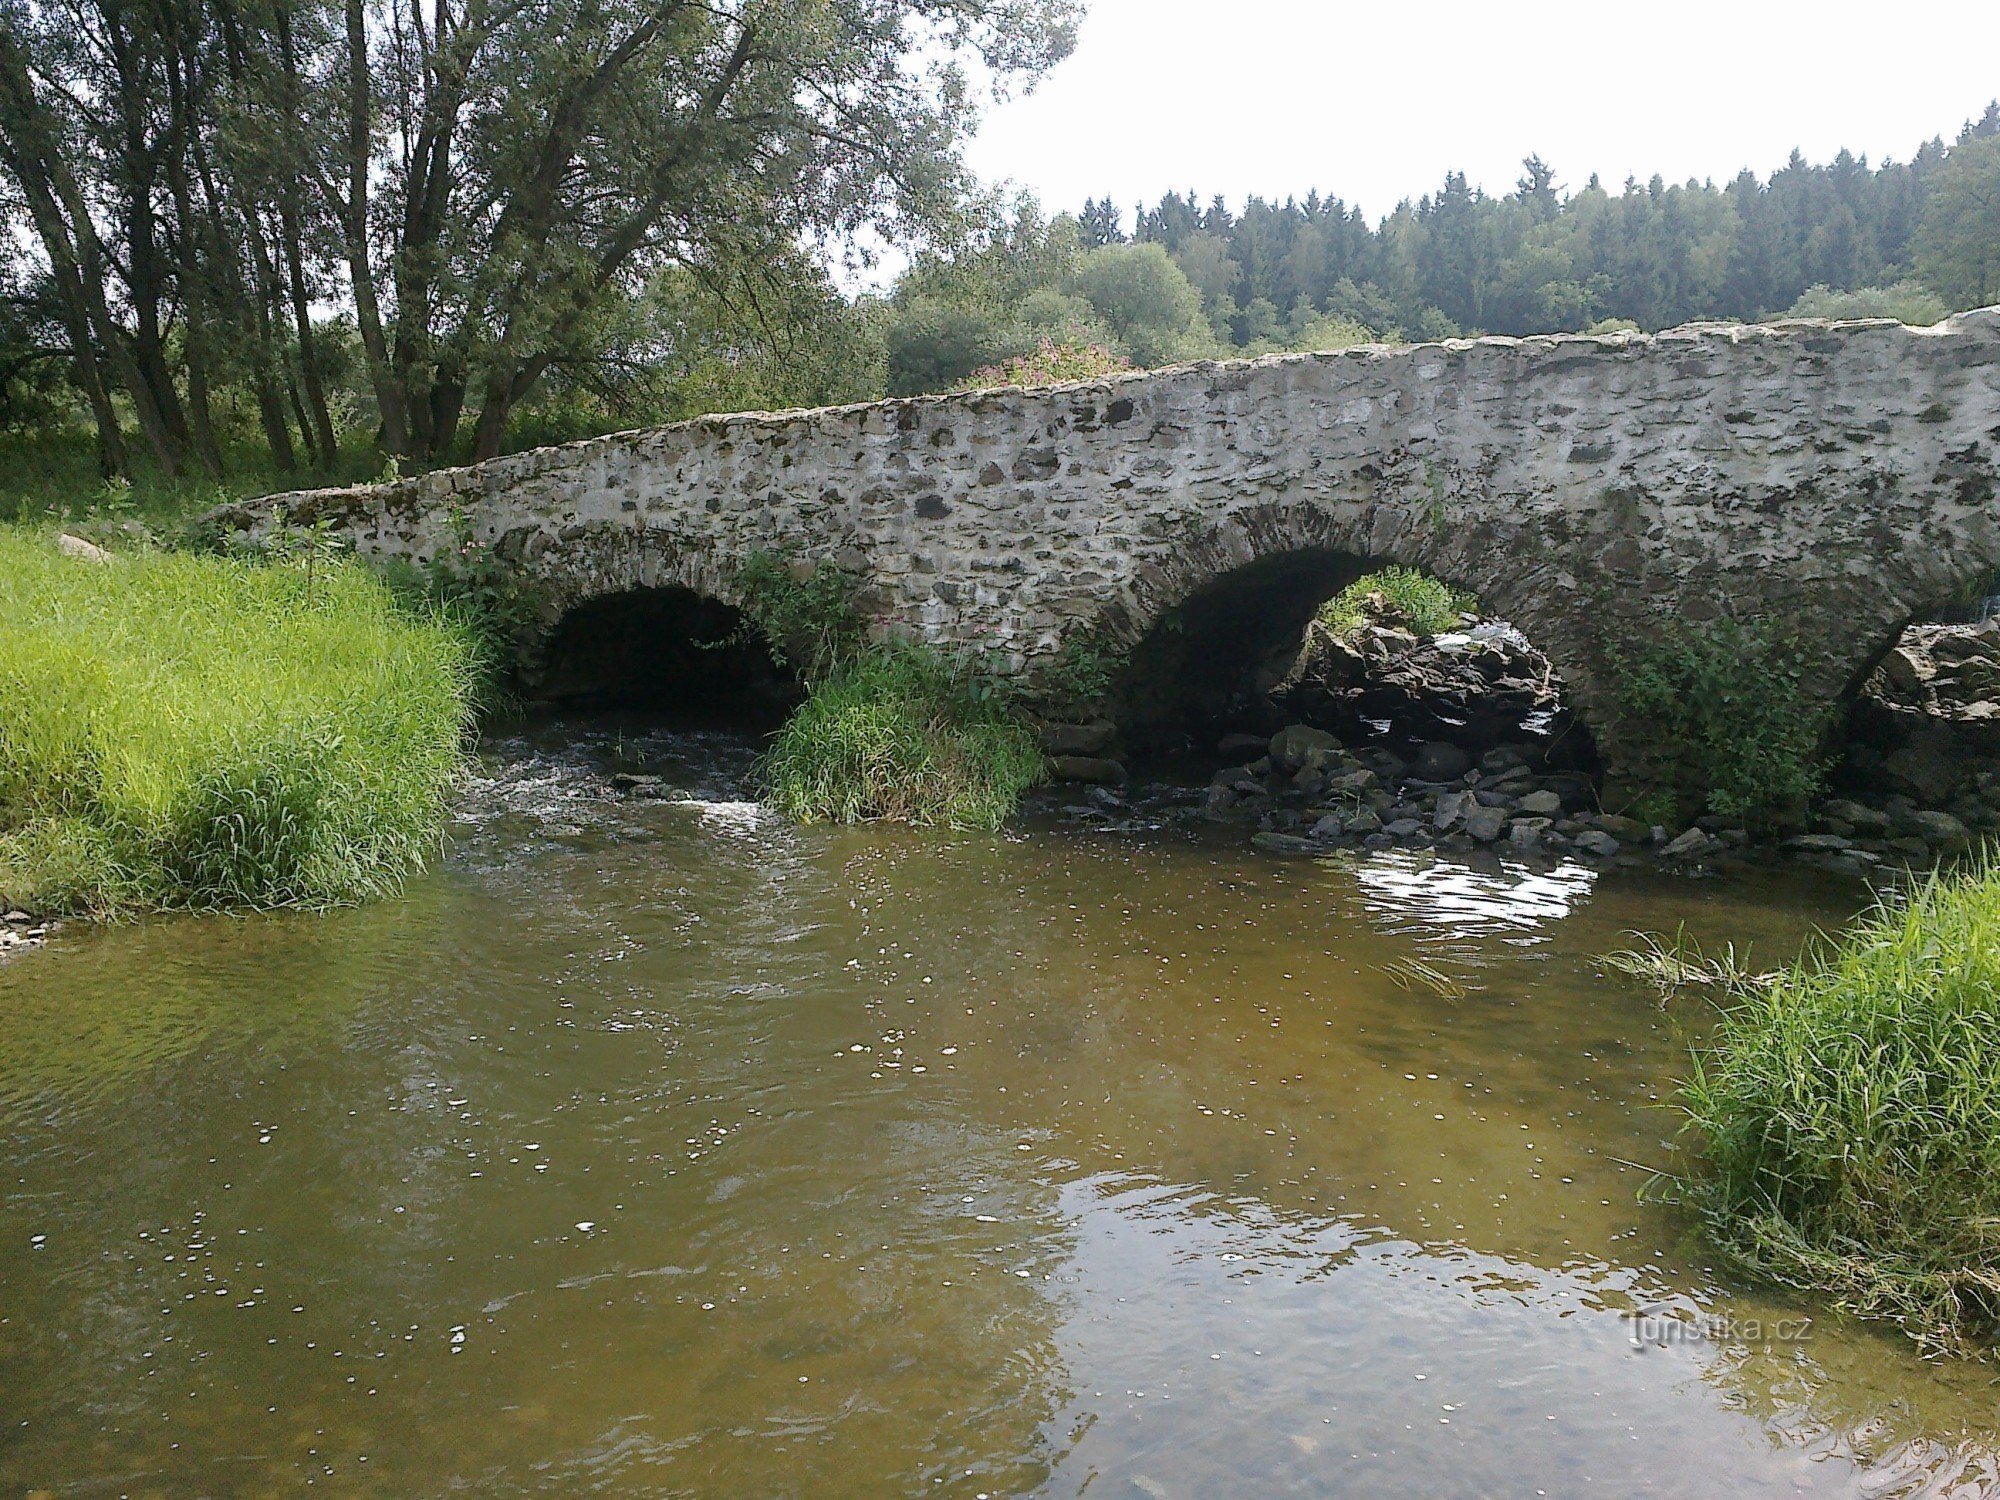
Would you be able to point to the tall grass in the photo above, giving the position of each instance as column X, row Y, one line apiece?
column 180, row 731
column 902, row 732
column 1430, row 607
column 1848, row 1114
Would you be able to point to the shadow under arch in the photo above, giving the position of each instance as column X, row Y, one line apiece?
column 669, row 652
column 1919, row 717
column 1218, row 629
column 1204, row 661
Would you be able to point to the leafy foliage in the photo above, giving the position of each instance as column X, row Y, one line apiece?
column 1958, row 242
column 1847, row 1114
column 180, row 731
column 470, row 586
column 1083, row 674
column 1050, row 363
column 1907, row 302
column 806, row 615
column 904, row 733
column 1400, row 594
column 1726, row 697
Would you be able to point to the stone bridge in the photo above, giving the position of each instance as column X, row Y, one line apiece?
column 1837, row 480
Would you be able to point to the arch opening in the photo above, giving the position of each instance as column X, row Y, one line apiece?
column 1915, row 755
column 1333, row 700
column 1385, row 656
column 671, row 654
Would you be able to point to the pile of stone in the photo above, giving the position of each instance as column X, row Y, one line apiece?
column 19, row 930
column 1477, row 686
column 1925, row 731
column 1307, row 792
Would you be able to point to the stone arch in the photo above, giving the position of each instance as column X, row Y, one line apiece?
column 644, row 620
column 1315, row 550
column 1908, row 720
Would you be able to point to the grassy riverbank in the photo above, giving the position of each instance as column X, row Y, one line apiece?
column 900, row 732
column 1848, row 1113
column 188, row 732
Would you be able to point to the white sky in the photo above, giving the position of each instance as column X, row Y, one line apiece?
column 1374, row 102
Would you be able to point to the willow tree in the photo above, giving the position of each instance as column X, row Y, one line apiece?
column 498, row 170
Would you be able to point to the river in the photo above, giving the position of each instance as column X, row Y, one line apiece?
column 652, row 1146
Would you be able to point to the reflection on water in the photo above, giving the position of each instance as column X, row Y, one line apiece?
column 654, row 1146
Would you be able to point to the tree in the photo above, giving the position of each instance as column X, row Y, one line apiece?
column 1147, row 301
column 1102, row 223
column 933, row 345
column 1958, row 238
column 544, row 159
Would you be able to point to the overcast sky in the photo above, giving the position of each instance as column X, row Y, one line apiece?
column 1374, row 102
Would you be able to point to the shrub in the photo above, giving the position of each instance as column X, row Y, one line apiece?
column 180, row 731
column 806, row 615
column 1725, row 699
column 466, row 585
column 1429, row 607
column 1907, row 301
column 1848, row 1115
column 1051, row 362
column 1083, row 676
column 904, row 733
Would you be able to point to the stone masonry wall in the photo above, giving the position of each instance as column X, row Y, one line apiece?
column 1838, row 478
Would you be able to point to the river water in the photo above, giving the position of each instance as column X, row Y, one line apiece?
column 652, row 1146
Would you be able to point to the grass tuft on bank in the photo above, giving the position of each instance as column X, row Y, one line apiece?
column 1848, row 1115
column 901, row 732
column 185, row 732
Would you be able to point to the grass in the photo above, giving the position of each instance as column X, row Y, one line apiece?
column 1429, row 607
column 904, row 733
column 1848, row 1115
column 51, row 475
column 1673, row 965
column 189, row 732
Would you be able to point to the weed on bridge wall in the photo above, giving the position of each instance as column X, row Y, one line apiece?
column 1724, row 704
column 1848, row 1114
column 892, row 730
column 180, row 731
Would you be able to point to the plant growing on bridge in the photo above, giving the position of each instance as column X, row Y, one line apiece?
column 807, row 616
column 1083, row 675
column 1847, row 1114
column 903, row 732
column 470, row 585
column 1726, row 699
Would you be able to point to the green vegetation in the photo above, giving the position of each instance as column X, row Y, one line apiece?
column 1544, row 259
column 1907, row 302
column 1396, row 595
column 179, row 731
column 1049, row 363
column 1847, row 1113
column 1957, row 246
column 1726, row 697
column 891, row 730
column 467, row 586
column 1083, row 674
column 904, row 733
column 1673, row 965
column 806, row 614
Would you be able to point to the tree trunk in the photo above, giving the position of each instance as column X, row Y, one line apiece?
column 309, row 356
